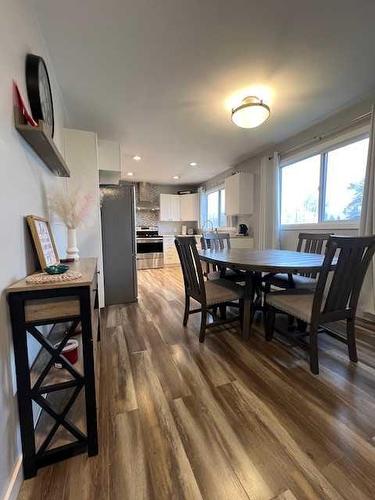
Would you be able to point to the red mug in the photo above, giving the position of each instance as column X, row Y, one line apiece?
column 70, row 352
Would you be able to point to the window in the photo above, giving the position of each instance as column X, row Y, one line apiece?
column 325, row 187
column 346, row 169
column 300, row 191
column 216, row 208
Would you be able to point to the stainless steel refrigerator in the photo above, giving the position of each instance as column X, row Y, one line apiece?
column 119, row 248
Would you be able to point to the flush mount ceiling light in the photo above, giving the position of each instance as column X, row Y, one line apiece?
column 130, row 174
column 251, row 113
column 137, row 158
column 193, row 164
column 176, row 177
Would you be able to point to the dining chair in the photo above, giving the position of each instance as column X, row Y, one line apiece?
column 210, row 294
column 308, row 243
column 215, row 241
column 219, row 241
column 334, row 299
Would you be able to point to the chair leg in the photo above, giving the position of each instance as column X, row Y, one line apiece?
column 290, row 322
column 241, row 303
column 252, row 314
column 223, row 311
column 269, row 324
column 314, row 361
column 350, row 331
column 246, row 318
column 202, row 332
column 187, row 309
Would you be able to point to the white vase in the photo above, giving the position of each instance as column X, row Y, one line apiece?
column 72, row 251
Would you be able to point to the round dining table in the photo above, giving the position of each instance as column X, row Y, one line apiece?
column 256, row 262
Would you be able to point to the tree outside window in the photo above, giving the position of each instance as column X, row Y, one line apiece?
column 325, row 187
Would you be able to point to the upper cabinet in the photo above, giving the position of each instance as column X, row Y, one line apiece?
column 175, row 207
column 239, row 193
column 189, row 207
column 169, row 207
column 109, row 157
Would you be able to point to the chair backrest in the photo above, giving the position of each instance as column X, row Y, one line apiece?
column 312, row 243
column 191, row 267
column 353, row 256
column 215, row 241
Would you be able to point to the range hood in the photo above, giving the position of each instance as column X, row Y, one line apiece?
column 144, row 192
column 147, row 199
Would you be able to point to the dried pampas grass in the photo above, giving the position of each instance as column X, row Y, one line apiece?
column 73, row 207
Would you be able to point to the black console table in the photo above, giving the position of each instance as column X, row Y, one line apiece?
column 57, row 406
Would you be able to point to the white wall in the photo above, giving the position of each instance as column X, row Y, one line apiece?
column 24, row 181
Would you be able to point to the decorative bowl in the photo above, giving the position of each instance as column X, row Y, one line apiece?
column 56, row 269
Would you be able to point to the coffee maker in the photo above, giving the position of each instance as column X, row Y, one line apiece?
column 243, row 230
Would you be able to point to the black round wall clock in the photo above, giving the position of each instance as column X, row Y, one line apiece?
column 39, row 91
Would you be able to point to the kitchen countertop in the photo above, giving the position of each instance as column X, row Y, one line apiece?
column 173, row 235
column 199, row 235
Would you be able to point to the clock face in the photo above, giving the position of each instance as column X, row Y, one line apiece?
column 45, row 96
column 39, row 91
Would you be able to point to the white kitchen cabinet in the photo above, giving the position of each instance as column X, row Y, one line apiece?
column 189, row 204
column 109, row 157
column 175, row 207
column 170, row 253
column 81, row 154
column 170, row 207
column 239, row 194
column 242, row 242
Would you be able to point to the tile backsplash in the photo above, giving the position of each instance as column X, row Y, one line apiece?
column 147, row 218
column 176, row 227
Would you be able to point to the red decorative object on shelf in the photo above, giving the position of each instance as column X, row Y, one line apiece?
column 20, row 104
column 70, row 352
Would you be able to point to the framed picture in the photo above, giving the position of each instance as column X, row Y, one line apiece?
column 43, row 240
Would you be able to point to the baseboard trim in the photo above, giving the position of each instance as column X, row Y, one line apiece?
column 15, row 481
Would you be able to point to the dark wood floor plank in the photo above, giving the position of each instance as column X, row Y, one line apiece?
column 122, row 386
column 130, row 477
column 238, row 455
column 267, row 453
column 285, row 495
column 307, row 391
column 349, row 481
column 204, row 446
column 135, row 323
column 170, row 470
column 264, row 382
column 291, row 447
column 329, row 390
column 323, row 405
column 212, row 367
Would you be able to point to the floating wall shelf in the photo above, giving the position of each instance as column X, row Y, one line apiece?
column 42, row 143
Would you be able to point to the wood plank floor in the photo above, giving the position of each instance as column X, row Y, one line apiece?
column 224, row 420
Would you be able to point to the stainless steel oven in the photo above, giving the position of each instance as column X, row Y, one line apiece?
column 149, row 249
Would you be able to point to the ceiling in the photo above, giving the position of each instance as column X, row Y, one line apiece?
column 159, row 75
